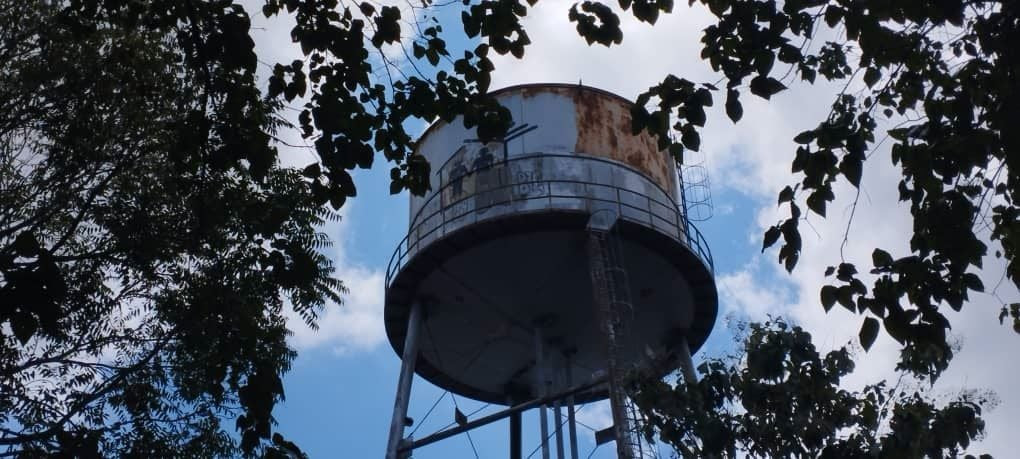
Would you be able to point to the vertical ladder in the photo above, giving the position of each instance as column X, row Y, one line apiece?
column 612, row 297
column 642, row 448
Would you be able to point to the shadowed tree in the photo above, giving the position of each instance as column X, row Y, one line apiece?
column 778, row 397
column 149, row 235
column 149, row 243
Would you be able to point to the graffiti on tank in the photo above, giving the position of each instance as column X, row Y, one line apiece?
column 527, row 181
column 480, row 171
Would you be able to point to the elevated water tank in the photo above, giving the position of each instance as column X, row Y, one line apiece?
column 498, row 250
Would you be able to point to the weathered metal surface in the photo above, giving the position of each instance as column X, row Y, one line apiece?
column 550, row 119
column 540, row 182
column 604, row 129
column 498, row 243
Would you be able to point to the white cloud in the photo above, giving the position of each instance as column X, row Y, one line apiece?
column 559, row 55
column 357, row 324
column 740, row 292
column 595, row 415
column 274, row 44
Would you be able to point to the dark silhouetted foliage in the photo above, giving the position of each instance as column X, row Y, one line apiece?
column 780, row 398
column 149, row 235
column 149, row 240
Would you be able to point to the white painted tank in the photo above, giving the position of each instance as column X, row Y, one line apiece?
column 497, row 247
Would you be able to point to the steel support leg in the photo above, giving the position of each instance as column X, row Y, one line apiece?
column 571, row 422
column 540, row 377
column 515, row 436
column 687, row 363
column 408, row 360
column 559, row 429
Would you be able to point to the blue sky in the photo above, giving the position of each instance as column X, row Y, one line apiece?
column 340, row 390
column 339, row 401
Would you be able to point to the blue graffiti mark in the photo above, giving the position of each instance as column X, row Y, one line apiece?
column 512, row 134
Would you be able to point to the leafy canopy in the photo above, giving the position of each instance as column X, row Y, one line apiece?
column 148, row 229
column 148, row 238
column 779, row 397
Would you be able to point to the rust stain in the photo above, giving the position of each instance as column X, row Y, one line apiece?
column 532, row 91
column 603, row 129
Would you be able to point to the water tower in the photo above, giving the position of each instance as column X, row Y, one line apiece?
column 544, row 267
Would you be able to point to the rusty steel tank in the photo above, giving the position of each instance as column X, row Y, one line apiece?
column 497, row 249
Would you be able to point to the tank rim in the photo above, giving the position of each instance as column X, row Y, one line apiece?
column 524, row 86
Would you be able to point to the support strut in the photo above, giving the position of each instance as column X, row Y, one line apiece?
column 408, row 360
column 485, row 420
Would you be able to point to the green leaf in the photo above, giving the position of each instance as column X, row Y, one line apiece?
column 771, row 236
column 676, row 151
column 690, row 137
column 833, row 14
column 764, row 61
column 696, row 113
column 786, row 195
column 852, row 169
column 871, row 76
column 828, row 297
column 973, row 282
column 597, row 23
column 765, row 87
column 387, row 25
column 703, row 97
column 733, row 108
column 845, row 297
column 880, row 258
column 846, row 272
column 808, row 74
column 24, row 326
column 789, row 255
column 806, row 137
column 312, row 171
column 868, row 333
column 816, row 202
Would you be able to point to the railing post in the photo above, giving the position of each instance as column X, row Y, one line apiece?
column 619, row 202
column 679, row 229
column 651, row 217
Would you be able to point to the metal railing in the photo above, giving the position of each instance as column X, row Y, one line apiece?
column 428, row 228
